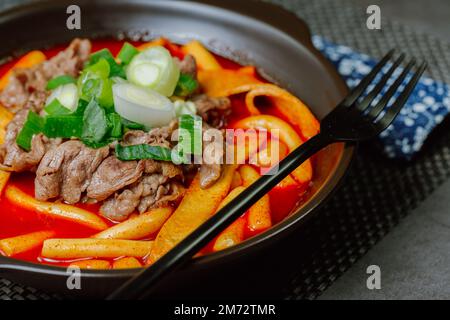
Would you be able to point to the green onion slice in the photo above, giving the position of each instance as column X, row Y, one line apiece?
column 105, row 95
column 141, row 105
column 190, row 134
column 143, row 151
column 33, row 125
column 59, row 81
column 127, row 53
column 186, row 85
column 184, row 107
column 66, row 95
column 95, row 123
column 63, row 126
column 116, row 70
column 115, row 125
column 130, row 125
column 101, row 69
column 94, row 82
column 56, row 108
column 155, row 69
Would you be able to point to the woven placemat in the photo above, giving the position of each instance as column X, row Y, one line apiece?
column 378, row 192
column 356, row 217
column 12, row 291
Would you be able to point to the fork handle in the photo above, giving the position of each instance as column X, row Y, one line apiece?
column 199, row 238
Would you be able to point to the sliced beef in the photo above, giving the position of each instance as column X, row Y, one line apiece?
column 24, row 82
column 36, row 101
column 50, row 173
column 188, row 66
column 121, row 205
column 147, row 194
column 210, row 170
column 157, row 187
column 209, row 174
column 113, row 175
column 214, row 111
column 26, row 88
column 162, row 136
column 17, row 160
column 15, row 125
column 160, row 184
column 68, row 62
column 156, row 137
column 77, row 174
column 15, row 94
column 14, row 158
column 168, row 169
column 134, row 137
column 162, row 195
column 66, row 170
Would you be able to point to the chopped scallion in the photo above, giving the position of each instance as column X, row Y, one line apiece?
column 95, row 123
column 127, row 53
column 127, row 124
column 63, row 126
column 105, row 97
column 101, row 68
column 154, row 69
column 82, row 104
column 186, row 85
column 94, row 82
column 67, row 95
column 190, row 134
column 59, row 81
column 116, row 69
column 143, row 151
column 114, row 125
column 56, row 108
column 33, row 125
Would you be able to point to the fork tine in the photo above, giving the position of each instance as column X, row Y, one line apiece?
column 390, row 93
column 359, row 89
column 380, row 85
column 393, row 111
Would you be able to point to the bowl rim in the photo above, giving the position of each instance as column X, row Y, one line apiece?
column 297, row 29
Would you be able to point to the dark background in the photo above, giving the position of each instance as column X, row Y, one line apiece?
column 414, row 257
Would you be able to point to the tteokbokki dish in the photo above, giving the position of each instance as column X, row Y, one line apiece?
column 88, row 175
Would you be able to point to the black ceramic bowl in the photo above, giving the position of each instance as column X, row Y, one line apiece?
column 245, row 31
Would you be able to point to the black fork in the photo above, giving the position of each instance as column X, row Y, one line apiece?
column 354, row 119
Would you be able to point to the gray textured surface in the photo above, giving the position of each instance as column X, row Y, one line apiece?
column 415, row 257
column 429, row 16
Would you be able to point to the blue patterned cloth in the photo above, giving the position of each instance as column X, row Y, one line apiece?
column 425, row 109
